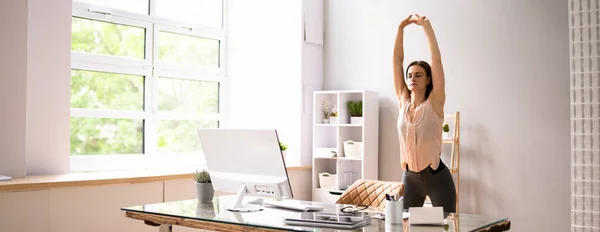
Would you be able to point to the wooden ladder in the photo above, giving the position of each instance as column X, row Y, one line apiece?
column 454, row 140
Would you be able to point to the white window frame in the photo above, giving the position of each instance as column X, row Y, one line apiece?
column 151, row 68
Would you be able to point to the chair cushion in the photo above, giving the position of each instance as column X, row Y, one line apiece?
column 370, row 193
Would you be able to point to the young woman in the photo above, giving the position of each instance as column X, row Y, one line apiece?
column 421, row 99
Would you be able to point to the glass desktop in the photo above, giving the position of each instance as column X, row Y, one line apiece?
column 273, row 218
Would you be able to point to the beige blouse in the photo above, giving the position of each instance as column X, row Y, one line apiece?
column 421, row 138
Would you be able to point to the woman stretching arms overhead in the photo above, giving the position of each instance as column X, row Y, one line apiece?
column 421, row 98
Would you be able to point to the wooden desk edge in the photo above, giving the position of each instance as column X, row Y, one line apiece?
column 150, row 219
column 502, row 226
column 97, row 178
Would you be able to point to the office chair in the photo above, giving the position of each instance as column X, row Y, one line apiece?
column 370, row 193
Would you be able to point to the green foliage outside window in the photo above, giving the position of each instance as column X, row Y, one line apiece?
column 111, row 91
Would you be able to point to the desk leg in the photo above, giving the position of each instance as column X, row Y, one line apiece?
column 165, row 228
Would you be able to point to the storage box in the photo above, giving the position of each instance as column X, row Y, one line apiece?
column 353, row 149
column 328, row 181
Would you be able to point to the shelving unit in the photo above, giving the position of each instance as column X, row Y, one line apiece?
column 329, row 138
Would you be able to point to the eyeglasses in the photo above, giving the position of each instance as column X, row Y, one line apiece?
column 353, row 208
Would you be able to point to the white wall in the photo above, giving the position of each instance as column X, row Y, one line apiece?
column 312, row 71
column 506, row 66
column 48, row 86
column 271, row 71
column 35, row 87
column 13, row 86
column 263, row 66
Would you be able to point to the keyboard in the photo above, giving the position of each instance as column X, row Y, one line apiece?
column 293, row 206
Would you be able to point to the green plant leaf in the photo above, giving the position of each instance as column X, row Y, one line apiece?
column 283, row 146
column 202, row 177
column 354, row 108
column 446, row 128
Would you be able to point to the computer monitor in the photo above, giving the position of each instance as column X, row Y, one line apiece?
column 246, row 162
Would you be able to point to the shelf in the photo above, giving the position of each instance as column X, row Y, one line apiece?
column 325, row 124
column 340, row 125
column 340, row 158
column 326, row 158
column 334, row 190
column 350, row 125
column 341, row 91
column 450, row 140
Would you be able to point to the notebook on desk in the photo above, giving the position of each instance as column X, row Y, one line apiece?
column 330, row 220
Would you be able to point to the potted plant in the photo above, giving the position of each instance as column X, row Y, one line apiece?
column 326, row 112
column 355, row 111
column 445, row 130
column 333, row 116
column 283, row 147
column 204, row 187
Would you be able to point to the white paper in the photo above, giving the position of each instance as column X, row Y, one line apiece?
column 5, row 178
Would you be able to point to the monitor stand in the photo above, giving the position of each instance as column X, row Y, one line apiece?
column 239, row 207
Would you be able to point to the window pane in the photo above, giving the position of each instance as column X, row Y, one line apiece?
column 181, row 136
column 188, row 96
column 101, row 136
column 189, row 50
column 96, row 37
column 136, row 6
column 205, row 12
column 100, row 90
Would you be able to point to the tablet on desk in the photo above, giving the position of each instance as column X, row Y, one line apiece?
column 330, row 220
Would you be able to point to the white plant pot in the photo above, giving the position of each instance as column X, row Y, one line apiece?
column 445, row 135
column 333, row 120
column 325, row 121
column 205, row 192
column 356, row 120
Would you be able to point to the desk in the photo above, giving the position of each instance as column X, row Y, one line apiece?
column 215, row 216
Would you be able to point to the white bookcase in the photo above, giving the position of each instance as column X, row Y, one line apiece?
column 329, row 138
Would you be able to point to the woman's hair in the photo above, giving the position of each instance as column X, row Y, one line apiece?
column 427, row 69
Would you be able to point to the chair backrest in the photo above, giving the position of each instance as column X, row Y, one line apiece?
column 370, row 193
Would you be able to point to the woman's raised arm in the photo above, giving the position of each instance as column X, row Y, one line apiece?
column 397, row 61
column 438, row 93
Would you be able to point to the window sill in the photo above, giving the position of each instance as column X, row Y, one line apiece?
column 99, row 178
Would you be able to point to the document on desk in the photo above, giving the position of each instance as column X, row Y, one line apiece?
column 5, row 178
column 330, row 220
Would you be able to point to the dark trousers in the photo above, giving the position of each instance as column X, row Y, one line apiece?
column 437, row 184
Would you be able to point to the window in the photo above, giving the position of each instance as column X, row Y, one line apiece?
column 144, row 76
